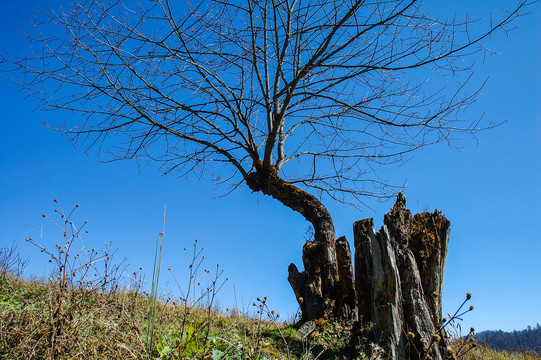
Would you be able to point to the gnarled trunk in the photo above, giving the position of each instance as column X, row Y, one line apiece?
column 398, row 271
column 325, row 288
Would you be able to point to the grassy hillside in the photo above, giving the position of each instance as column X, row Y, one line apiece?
column 86, row 311
column 114, row 325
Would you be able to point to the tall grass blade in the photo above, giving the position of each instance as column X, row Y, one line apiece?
column 154, row 291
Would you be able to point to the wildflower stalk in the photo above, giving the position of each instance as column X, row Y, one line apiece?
column 436, row 337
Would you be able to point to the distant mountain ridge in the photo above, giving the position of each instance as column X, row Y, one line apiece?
column 527, row 339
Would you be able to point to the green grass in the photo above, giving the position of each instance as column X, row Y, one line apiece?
column 93, row 325
column 482, row 352
column 83, row 312
column 113, row 325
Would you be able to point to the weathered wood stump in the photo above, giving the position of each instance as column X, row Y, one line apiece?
column 325, row 289
column 396, row 283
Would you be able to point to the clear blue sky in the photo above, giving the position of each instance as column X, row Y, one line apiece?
column 490, row 190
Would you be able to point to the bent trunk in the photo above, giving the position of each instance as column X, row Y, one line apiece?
column 267, row 181
column 398, row 271
column 325, row 288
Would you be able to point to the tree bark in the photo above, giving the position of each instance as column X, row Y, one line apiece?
column 399, row 277
column 325, row 288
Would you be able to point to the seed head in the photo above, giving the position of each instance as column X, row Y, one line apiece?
column 436, row 338
column 411, row 335
column 468, row 296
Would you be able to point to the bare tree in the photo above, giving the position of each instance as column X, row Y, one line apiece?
column 296, row 99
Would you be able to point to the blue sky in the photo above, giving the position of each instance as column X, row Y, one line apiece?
column 490, row 190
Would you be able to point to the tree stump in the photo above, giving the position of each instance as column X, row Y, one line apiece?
column 325, row 289
column 396, row 282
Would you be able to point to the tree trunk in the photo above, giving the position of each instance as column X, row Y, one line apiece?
column 399, row 276
column 325, row 288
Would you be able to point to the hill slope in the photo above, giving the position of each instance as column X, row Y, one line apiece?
column 528, row 339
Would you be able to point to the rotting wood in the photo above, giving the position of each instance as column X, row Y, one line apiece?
column 396, row 282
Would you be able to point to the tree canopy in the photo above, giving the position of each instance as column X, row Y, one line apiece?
column 320, row 91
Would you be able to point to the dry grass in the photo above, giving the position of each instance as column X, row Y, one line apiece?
column 88, row 309
column 94, row 325
column 83, row 312
column 484, row 353
column 113, row 326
